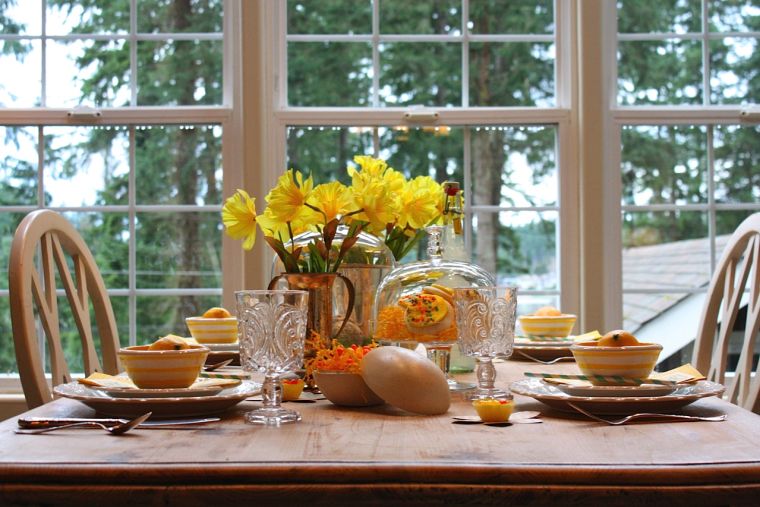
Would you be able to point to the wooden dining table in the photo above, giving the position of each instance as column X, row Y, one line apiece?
column 384, row 456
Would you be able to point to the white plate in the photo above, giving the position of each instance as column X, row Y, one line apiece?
column 647, row 390
column 618, row 405
column 161, row 407
column 184, row 392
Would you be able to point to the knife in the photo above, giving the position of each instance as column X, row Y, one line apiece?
column 48, row 422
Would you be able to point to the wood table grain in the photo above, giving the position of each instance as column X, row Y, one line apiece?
column 382, row 456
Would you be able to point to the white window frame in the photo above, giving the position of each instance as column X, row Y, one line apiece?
column 617, row 117
column 227, row 115
column 562, row 115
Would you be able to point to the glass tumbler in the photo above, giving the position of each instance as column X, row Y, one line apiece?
column 272, row 328
column 486, row 330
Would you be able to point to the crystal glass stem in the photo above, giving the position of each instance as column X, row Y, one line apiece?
column 441, row 355
column 485, row 372
column 271, row 390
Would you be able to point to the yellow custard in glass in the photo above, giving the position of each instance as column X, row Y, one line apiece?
column 492, row 410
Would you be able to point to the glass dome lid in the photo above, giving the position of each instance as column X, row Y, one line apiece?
column 414, row 302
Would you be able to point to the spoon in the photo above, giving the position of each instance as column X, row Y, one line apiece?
column 116, row 429
column 216, row 366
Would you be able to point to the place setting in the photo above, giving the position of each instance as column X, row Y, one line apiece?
column 163, row 378
column 616, row 377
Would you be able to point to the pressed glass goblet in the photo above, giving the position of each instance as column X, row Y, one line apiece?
column 272, row 326
column 486, row 330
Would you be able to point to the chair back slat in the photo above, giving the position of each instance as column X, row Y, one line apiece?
column 736, row 280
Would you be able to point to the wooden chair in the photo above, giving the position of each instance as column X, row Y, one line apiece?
column 55, row 239
column 739, row 268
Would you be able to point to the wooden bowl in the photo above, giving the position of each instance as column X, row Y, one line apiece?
column 346, row 389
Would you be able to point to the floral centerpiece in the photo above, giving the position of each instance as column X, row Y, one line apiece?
column 380, row 201
column 313, row 228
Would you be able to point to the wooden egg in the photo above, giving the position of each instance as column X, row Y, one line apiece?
column 406, row 380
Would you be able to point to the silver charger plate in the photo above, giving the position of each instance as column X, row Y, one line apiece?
column 189, row 406
column 616, row 405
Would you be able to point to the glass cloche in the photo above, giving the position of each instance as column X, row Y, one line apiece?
column 414, row 302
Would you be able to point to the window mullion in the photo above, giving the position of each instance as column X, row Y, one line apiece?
column 133, row 52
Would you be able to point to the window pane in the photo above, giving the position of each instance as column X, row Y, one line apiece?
column 426, row 151
column 512, row 74
column 668, row 318
column 330, row 16
column 733, row 69
column 660, row 72
column 87, row 72
column 8, row 224
column 21, row 78
column 18, row 165
column 427, row 74
column 179, row 73
column 161, row 315
column 179, row 250
column 329, row 74
column 93, row 17
column 511, row 16
column 325, row 152
column 520, row 247
column 85, row 166
column 737, row 163
column 664, row 165
column 168, row 16
column 665, row 250
column 20, row 18
column 514, row 166
column 179, row 165
column 404, row 17
column 106, row 235
column 663, row 16
column 726, row 223
column 733, row 15
column 7, row 349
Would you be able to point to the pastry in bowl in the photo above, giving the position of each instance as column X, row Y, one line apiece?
column 216, row 325
column 617, row 353
column 169, row 364
column 549, row 322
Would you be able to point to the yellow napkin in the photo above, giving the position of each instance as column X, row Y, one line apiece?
column 684, row 374
column 98, row 379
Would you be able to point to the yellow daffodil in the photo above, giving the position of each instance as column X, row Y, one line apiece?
column 334, row 199
column 287, row 200
column 274, row 227
column 239, row 218
column 419, row 202
column 374, row 167
column 379, row 204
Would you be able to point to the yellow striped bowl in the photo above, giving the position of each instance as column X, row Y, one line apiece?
column 634, row 361
column 558, row 326
column 213, row 330
column 163, row 369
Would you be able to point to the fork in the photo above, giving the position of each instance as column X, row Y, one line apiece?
column 537, row 360
column 114, row 429
column 649, row 415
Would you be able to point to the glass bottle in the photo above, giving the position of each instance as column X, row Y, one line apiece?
column 454, row 250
